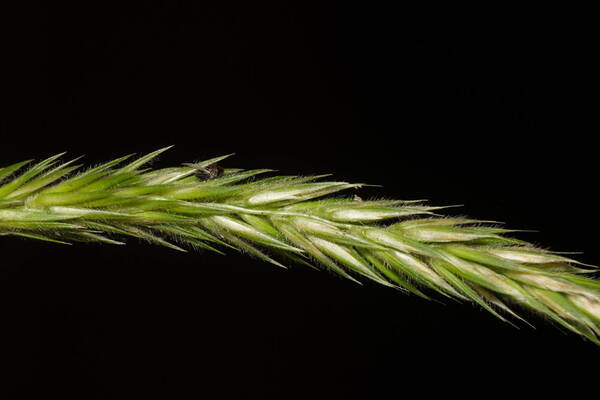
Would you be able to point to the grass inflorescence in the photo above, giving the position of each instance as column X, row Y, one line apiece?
column 406, row 245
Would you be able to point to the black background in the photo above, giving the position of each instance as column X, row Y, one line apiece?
column 486, row 107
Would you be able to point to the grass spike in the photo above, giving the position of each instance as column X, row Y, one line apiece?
column 405, row 245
